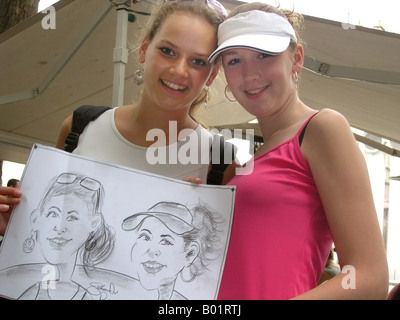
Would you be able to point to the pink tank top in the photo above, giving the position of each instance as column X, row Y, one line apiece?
column 280, row 239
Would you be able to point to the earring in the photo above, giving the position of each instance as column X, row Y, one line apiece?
column 296, row 78
column 29, row 243
column 138, row 76
column 206, row 99
column 227, row 89
column 191, row 274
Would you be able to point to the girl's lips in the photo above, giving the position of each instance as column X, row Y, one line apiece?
column 173, row 86
column 255, row 91
column 152, row 266
column 58, row 242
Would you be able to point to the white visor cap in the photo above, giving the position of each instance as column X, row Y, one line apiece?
column 256, row 30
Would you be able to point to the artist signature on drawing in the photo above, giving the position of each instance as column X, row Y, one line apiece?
column 101, row 290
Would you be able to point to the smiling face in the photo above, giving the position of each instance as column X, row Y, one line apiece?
column 159, row 254
column 261, row 83
column 176, row 67
column 62, row 227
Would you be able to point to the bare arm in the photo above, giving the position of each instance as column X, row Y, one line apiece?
column 64, row 131
column 342, row 179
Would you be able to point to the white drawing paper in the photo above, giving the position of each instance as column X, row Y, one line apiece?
column 89, row 230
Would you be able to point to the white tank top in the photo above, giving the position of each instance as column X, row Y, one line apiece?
column 189, row 157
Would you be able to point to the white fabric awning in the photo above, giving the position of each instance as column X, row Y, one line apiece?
column 351, row 69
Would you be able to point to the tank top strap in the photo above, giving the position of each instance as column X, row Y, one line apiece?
column 302, row 130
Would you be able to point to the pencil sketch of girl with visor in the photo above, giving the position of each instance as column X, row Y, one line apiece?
column 171, row 240
column 68, row 227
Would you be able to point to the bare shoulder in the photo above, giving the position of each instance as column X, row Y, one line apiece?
column 64, row 131
column 329, row 124
column 328, row 133
column 329, row 119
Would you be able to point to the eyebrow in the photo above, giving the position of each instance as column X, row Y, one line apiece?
column 54, row 207
column 167, row 236
column 145, row 230
column 230, row 52
column 58, row 209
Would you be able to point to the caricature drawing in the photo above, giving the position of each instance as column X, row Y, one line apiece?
column 67, row 223
column 171, row 240
column 84, row 236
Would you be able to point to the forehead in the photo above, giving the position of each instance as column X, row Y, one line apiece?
column 67, row 201
column 240, row 51
column 185, row 17
column 153, row 225
column 188, row 25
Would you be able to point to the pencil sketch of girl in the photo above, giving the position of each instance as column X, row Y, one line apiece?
column 68, row 224
column 172, row 240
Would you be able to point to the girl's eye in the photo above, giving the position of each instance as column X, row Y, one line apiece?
column 144, row 236
column 234, row 61
column 166, row 242
column 167, row 51
column 72, row 218
column 199, row 62
column 264, row 55
column 52, row 214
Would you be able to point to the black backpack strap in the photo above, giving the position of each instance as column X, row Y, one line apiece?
column 227, row 153
column 80, row 119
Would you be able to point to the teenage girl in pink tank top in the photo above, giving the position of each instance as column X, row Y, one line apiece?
column 309, row 184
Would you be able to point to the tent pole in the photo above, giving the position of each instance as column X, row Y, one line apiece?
column 120, row 56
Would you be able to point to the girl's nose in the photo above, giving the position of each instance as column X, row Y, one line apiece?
column 180, row 68
column 153, row 252
column 59, row 228
column 251, row 73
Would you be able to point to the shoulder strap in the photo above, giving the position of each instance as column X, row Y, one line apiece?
column 303, row 130
column 80, row 119
column 219, row 164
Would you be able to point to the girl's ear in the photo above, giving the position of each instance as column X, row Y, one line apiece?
column 192, row 252
column 142, row 50
column 298, row 59
column 34, row 215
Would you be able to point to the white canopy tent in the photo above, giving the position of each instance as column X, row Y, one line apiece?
column 45, row 74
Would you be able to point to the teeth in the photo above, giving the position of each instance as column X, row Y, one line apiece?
column 173, row 86
column 255, row 91
column 152, row 265
column 59, row 241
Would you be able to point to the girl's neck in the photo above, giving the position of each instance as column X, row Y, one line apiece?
column 134, row 122
column 63, row 271
column 165, row 291
column 160, row 118
column 283, row 125
column 284, row 117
